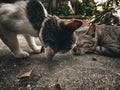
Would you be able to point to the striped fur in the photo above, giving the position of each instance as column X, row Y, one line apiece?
column 102, row 39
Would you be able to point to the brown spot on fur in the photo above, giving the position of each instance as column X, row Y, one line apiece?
column 74, row 24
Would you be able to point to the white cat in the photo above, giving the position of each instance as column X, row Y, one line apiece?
column 14, row 20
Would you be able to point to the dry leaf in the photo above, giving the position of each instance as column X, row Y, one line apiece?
column 25, row 75
column 94, row 58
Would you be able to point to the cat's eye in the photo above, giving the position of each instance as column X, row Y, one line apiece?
column 87, row 44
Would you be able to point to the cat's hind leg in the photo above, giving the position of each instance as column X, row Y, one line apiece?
column 32, row 44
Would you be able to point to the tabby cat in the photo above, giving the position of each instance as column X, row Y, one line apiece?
column 101, row 39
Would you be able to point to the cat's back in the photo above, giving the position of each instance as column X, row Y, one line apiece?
column 108, row 29
column 8, row 10
column 108, row 34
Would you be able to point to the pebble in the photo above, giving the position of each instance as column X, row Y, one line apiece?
column 29, row 87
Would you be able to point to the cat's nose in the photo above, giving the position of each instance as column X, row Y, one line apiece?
column 49, row 52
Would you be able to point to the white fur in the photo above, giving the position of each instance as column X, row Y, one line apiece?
column 14, row 21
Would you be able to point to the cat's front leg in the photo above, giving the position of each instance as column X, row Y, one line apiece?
column 32, row 44
column 11, row 41
column 20, row 53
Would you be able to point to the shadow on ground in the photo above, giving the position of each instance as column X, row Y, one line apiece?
column 64, row 72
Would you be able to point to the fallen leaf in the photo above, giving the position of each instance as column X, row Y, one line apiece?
column 94, row 58
column 27, row 74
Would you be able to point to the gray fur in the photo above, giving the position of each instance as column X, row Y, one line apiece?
column 108, row 40
column 102, row 39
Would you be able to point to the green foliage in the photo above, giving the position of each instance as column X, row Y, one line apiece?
column 110, row 3
column 79, row 8
column 88, row 9
column 82, row 9
column 62, row 11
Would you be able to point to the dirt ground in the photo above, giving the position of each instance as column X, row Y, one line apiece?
column 64, row 72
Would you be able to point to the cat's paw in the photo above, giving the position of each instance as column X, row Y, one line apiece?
column 38, row 49
column 99, row 48
column 21, row 54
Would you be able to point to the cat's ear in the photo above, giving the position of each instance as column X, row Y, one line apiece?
column 91, row 30
column 73, row 24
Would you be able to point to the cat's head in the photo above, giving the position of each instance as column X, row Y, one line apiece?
column 57, row 35
column 85, row 42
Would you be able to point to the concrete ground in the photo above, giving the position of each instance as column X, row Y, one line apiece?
column 64, row 72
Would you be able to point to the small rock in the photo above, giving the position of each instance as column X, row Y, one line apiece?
column 15, row 65
column 29, row 87
column 3, row 70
